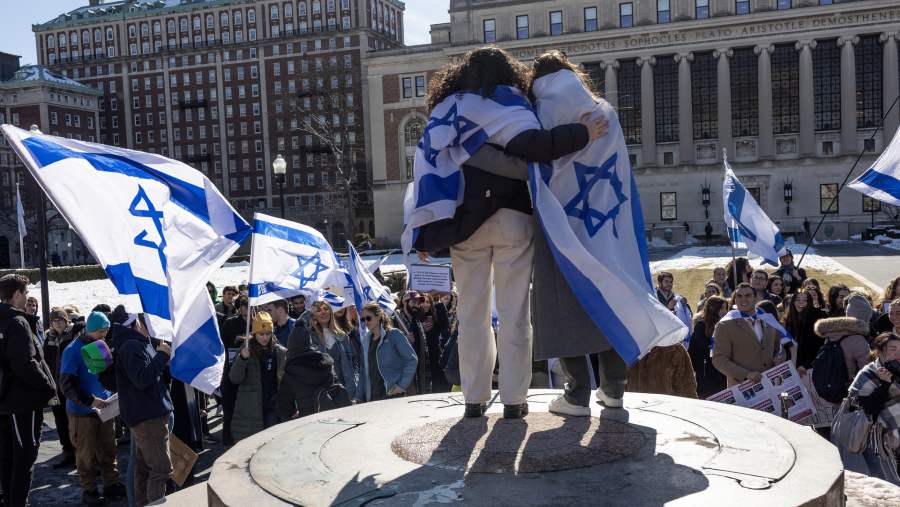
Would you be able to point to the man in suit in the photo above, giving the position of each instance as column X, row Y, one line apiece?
column 745, row 346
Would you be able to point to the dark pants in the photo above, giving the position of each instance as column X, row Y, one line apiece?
column 612, row 373
column 62, row 428
column 20, row 437
column 229, row 395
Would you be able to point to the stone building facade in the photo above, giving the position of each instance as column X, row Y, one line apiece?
column 793, row 91
column 226, row 86
column 34, row 95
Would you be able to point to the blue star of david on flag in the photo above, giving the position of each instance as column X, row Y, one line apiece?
column 452, row 119
column 156, row 217
column 303, row 274
column 580, row 205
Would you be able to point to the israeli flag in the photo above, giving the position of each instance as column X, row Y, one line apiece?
column 456, row 129
column 747, row 224
column 784, row 336
column 882, row 180
column 287, row 259
column 158, row 227
column 364, row 286
column 589, row 209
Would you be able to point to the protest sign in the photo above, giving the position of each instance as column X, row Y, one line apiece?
column 429, row 277
column 763, row 395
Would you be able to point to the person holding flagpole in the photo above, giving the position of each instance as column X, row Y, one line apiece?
column 487, row 222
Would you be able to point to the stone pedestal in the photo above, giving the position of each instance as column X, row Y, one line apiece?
column 420, row 451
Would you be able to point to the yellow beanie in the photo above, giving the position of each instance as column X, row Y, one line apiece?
column 262, row 323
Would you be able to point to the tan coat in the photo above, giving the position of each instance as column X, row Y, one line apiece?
column 737, row 351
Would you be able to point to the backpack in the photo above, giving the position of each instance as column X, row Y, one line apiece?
column 331, row 397
column 829, row 372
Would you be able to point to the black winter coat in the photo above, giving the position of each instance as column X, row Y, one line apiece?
column 305, row 374
column 28, row 380
column 143, row 391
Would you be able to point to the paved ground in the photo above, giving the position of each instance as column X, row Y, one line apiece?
column 60, row 487
column 877, row 264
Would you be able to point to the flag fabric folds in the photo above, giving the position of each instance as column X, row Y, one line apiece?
column 747, row 224
column 784, row 336
column 456, row 129
column 365, row 286
column 589, row 209
column 158, row 227
column 20, row 215
column 882, row 180
column 287, row 259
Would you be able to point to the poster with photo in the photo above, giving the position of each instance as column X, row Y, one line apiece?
column 764, row 395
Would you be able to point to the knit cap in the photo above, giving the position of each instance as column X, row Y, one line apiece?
column 95, row 321
column 262, row 323
column 858, row 307
column 97, row 356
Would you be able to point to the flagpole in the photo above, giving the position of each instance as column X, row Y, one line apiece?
column 249, row 281
column 18, row 224
column 846, row 178
column 730, row 239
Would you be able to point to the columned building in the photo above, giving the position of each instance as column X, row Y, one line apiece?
column 792, row 91
column 227, row 85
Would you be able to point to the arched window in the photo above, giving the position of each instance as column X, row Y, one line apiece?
column 301, row 9
column 827, row 85
column 145, row 29
column 273, row 12
column 223, row 19
column 288, row 10
column 109, row 34
column 237, row 17
column 98, row 36
column 51, row 41
column 73, row 38
column 197, row 22
column 157, row 27
column 251, row 15
column 85, row 37
column 412, row 132
column 210, row 21
column 62, row 39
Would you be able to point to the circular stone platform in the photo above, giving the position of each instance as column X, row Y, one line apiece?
column 420, row 451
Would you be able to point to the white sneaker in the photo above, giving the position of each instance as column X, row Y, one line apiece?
column 608, row 401
column 561, row 406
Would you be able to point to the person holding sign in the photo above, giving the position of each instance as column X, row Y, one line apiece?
column 744, row 345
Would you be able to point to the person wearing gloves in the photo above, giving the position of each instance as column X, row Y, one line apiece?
column 257, row 372
column 95, row 440
column 145, row 405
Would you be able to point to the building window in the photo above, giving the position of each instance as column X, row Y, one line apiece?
column 663, row 14
column 784, row 5
column 590, row 19
column 786, row 89
column 827, row 85
column 870, row 205
column 407, row 88
column 742, row 7
column 597, row 73
column 826, row 2
column 665, row 99
column 668, row 206
column 420, row 86
column 556, row 23
column 701, row 9
column 868, row 82
column 704, row 96
column 828, row 202
column 412, row 132
column 490, row 30
column 521, row 27
column 744, row 93
column 629, row 85
column 626, row 14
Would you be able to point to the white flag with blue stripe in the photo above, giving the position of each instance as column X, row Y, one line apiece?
column 158, row 227
column 747, row 224
column 882, row 180
column 784, row 337
column 589, row 209
column 365, row 286
column 456, row 129
column 287, row 259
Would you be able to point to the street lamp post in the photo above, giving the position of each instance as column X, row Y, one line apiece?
column 705, row 197
column 788, row 195
column 279, row 168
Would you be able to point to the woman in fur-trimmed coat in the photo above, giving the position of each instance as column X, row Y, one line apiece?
column 856, row 356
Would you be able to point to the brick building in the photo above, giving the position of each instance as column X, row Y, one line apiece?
column 34, row 95
column 794, row 90
column 226, row 85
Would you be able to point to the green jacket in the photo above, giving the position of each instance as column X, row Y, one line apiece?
column 248, row 407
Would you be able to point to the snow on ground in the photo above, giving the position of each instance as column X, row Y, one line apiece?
column 865, row 491
column 885, row 241
column 714, row 256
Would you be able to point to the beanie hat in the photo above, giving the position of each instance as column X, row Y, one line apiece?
column 119, row 315
column 858, row 307
column 97, row 356
column 95, row 321
column 262, row 323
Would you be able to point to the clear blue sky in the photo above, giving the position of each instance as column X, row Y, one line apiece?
column 18, row 16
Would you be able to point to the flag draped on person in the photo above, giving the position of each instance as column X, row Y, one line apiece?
column 784, row 336
column 158, row 227
column 747, row 224
column 287, row 259
column 456, row 129
column 882, row 180
column 589, row 209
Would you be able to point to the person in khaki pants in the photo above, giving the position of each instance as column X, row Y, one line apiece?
column 145, row 405
column 744, row 347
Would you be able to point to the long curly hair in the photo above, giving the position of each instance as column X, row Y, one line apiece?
column 554, row 61
column 482, row 71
